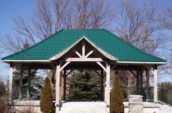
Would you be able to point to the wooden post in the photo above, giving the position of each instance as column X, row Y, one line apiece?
column 137, row 82
column 21, row 82
column 64, row 85
column 108, row 84
column 155, row 73
column 105, row 89
column 57, row 104
column 29, row 80
column 11, row 83
column 102, row 79
column 141, row 83
column 61, row 84
column 147, row 84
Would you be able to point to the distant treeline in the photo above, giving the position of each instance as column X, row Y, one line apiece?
column 165, row 92
column 165, row 85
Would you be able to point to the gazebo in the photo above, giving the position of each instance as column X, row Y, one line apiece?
column 94, row 49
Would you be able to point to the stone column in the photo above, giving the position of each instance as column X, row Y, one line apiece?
column 155, row 73
column 57, row 104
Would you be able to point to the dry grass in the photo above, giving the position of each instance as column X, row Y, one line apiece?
column 26, row 108
column 5, row 106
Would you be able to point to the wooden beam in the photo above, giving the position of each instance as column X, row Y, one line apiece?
column 84, row 60
column 77, row 53
column 85, row 67
column 83, row 49
column 64, row 65
column 99, row 74
column 101, row 65
column 88, row 54
column 133, row 73
column 69, row 72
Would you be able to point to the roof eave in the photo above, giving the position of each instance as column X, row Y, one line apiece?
column 27, row 61
column 135, row 62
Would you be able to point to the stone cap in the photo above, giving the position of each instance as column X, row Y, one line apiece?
column 135, row 98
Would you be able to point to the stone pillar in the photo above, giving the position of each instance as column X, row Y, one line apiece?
column 57, row 104
column 155, row 73
column 11, row 83
column 135, row 104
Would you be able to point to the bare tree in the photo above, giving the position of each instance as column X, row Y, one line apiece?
column 167, row 18
column 49, row 16
column 138, row 24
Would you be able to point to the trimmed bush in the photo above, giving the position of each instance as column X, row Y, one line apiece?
column 116, row 102
column 46, row 104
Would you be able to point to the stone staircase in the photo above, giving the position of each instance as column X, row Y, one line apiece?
column 84, row 107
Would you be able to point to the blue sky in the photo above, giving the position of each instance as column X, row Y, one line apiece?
column 10, row 9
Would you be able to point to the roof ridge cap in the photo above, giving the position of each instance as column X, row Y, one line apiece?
column 85, row 29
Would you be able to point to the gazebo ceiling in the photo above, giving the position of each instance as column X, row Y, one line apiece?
column 114, row 47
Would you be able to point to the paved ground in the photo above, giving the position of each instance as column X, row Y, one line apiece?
column 98, row 107
column 150, row 107
column 165, row 109
column 84, row 107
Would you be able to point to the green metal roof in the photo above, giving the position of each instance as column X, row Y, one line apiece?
column 103, row 39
